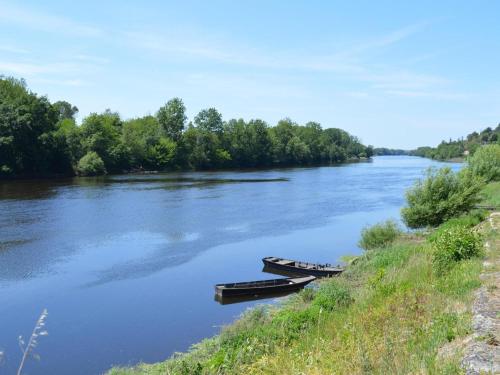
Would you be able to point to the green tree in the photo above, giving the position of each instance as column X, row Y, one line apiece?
column 101, row 134
column 91, row 165
column 172, row 118
column 140, row 135
column 486, row 162
column 209, row 120
column 27, row 124
column 65, row 110
column 204, row 149
column 442, row 195
column 281, row 134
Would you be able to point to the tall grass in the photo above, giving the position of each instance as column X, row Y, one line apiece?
column 379, row 235
column 490, row 195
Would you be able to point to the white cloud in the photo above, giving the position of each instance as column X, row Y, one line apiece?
column 31, row 69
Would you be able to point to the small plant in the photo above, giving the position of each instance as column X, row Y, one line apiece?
column 469, row 220
column 28, row 348
column 454, row 244
column 332, row 295
column 379, row 235
column 307, row 295
column 91, row 164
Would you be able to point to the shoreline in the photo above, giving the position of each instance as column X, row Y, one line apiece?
column 187, row 170
column 393, row 285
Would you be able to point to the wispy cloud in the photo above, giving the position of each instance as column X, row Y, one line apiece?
column 439, row 95
column 32, row 69
column 76, row 82
column 39, row 20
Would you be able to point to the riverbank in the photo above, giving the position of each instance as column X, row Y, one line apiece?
column 388, row 313
column 54, row 176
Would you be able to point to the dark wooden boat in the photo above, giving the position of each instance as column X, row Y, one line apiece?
column 302, row 268
column 228, row 300
column 256, row 288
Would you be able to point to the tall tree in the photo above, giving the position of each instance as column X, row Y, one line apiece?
column 210, row 120
column 172, row 118
column 65, row 110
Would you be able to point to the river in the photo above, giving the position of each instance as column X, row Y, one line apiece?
column 125, row 265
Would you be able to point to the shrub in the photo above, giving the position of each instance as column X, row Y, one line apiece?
column 454, row 244
column 469, row 220
column 91, row 165
column 486, row 162
column 331, row 295
column 442, row 195
column 379, row 235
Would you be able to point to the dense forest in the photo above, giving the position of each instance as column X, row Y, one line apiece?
column 460, row 147
column 379, row 151
column 40, row 138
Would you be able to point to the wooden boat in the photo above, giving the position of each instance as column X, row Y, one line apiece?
column 302, row 268
column 228, row 300
column 256, row 288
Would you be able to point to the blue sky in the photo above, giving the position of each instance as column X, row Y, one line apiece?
column 396, row 74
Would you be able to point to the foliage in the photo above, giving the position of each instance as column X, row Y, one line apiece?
column 453, row 244
column 389, row 151
column 332, row 295
column 490, row 195
column 40, row 138
column 468, row 220
column 461, row 147
column 442, row 195
column 379, row 235
column 209, row 120
column 28, row 144
column 486, row 162
column 172, row 118
column 91, row 165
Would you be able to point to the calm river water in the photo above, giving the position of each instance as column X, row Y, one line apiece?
column 126, row 265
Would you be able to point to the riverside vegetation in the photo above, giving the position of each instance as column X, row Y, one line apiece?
column 455, row 149
column 391, row 311
column 39, row 138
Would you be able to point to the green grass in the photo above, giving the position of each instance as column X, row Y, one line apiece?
column 491, row 194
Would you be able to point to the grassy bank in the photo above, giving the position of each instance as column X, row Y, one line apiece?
column 390, row 312
column 490, row 195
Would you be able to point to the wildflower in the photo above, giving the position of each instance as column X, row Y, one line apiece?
column 28, row 349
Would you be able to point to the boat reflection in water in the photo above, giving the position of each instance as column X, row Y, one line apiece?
column 240, row 299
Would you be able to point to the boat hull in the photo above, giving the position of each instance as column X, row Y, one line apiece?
column 291, row 284
column 292, row 269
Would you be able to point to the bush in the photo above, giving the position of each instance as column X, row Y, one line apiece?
column 442, row 195
column 486, row 162
column 91, row 165
column 469, row 220
column 379, row 235
column 331, row 295
column 454, row 244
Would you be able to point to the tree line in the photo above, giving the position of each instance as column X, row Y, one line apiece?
column 460, row 147
column 39, row 138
